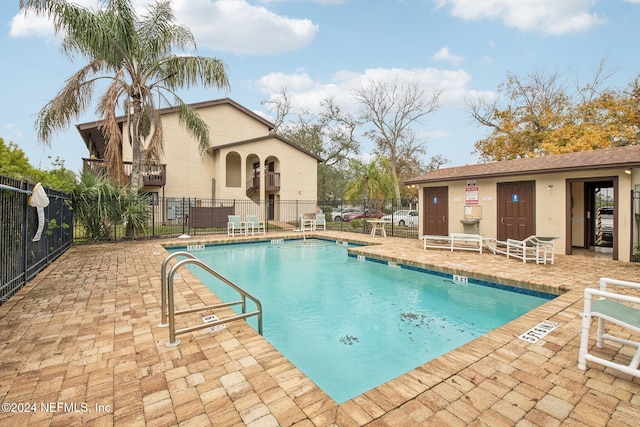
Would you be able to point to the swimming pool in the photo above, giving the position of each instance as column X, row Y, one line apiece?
column 351, row 325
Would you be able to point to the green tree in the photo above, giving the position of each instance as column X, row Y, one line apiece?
column 135, row 54
column 15, row 164
column 538, row 115
column 60, row 178
column 99, row 205
column 371, row 181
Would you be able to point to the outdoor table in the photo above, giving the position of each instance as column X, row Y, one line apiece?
column 378, row 224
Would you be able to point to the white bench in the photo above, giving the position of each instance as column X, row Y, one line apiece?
column 455, row 241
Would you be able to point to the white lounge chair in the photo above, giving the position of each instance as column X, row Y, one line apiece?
column 534, row 248
column 321, row 221
column 496, row 246
column 614, row 308
column 254, row 224
column 234, row 223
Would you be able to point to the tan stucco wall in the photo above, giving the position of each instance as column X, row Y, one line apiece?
column 550, row 204
column 298, row 171
column 190, row 174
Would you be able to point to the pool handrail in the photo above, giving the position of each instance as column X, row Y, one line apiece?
column 172, row 309
column 163, row 283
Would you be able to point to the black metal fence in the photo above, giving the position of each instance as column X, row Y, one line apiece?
column 173, row 217
column 21, row 258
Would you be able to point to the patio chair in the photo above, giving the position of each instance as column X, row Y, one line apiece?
column 321, row 221
column 255, row 224
column 236, row 224
column 534, row 248
column 307, row 220
column 614, row 308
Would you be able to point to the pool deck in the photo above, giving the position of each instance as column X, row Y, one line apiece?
column 80, row 345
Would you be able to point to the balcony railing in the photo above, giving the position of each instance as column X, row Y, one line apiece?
column 153, row 174
column 272, row 179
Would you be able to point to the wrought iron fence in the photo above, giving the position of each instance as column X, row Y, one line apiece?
column 21, row 258
column 176, row 216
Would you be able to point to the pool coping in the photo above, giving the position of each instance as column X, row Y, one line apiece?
column 407, row 387
column 430, row 268
column 391, row 263
column 85, row 330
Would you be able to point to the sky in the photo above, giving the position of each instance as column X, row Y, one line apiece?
column 315, row 49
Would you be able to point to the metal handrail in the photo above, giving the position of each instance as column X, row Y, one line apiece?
column 172, row 309
column 163, row 283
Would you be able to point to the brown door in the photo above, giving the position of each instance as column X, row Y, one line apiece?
column 436, row 211
column 516, row 210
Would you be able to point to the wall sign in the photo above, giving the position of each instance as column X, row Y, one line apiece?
column 514, row 198
column 471, row 195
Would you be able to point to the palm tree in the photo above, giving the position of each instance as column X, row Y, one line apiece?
column 135, row 55
column 372, row 181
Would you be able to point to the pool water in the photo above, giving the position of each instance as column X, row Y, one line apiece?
column 351, row 325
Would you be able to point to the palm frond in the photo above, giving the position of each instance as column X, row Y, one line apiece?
column 195, row 125
column 154, row 141
column 111, row 130
column 186, row 71
column 158, row 34
column 136, row 54
column 68, row 103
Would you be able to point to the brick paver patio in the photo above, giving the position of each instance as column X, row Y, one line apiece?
column 80, row 345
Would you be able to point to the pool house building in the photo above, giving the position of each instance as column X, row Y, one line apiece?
column 586, row 199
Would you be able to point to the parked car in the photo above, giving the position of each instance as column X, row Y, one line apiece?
column 367, row 213
column 337, row 214
column 606, row 223
column 403, row 217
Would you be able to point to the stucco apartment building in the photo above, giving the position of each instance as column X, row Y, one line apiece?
column 247, row 161
column 547, row 196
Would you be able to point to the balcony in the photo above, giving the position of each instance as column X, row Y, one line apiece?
column 153, row 174
column 273, row 183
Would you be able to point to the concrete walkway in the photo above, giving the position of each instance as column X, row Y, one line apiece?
column 80, row 345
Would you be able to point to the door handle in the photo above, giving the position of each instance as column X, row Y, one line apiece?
column 443, row 219
column 501, row 220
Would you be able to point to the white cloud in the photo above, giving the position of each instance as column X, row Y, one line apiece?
column 224, row 25
column 308, row 1
column 238, row 27
column 551, row 17
column 31, row 25
column 445, row 54
column 307, row 93
column 486, row 60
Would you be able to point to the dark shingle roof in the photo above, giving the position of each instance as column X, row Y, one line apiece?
column 607, row 158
